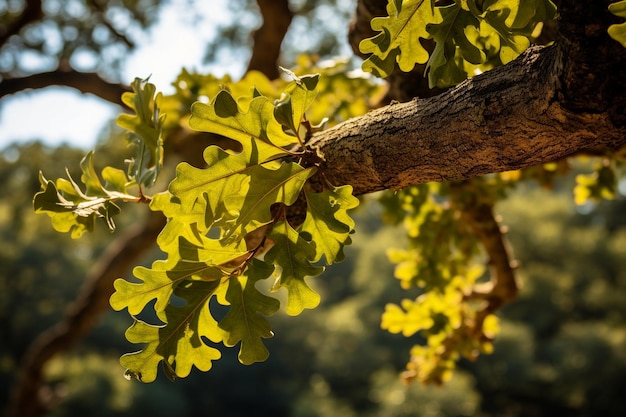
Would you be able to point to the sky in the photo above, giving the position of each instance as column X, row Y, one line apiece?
column 44, row 114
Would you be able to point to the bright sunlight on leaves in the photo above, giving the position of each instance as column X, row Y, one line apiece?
column 220, row 220
column 468, row 36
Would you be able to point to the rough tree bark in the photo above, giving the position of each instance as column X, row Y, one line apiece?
column 509, row 118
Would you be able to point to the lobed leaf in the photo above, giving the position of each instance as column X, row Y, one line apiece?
column 75, row 211
column 259, row 191
column 290, row 109
column 327, row 222
column 399, row 37
column 159, row 283
column 455, row 38
column 224, row 117
column 146, row 127
column 294, row 256
column 245, row 321
column 179, row 344
column 208, row 188
column 469, row 35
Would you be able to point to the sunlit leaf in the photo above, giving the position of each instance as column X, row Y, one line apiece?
column 210, row 187
column 146, row 127
column 327, row 222
column 245, row 321
column 468, row 35
column 158, row 283
column 223, row 116
column 618, row 31
column 399, row 37
column 74, row 210
column 298, row 96
column 294, row 255
column 179, row 344
column 259, row 191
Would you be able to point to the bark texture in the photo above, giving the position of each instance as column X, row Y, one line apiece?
column 512, row 117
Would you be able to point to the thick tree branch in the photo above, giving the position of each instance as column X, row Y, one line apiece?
column 82, row 81
column 509, row 118
column 82, row 315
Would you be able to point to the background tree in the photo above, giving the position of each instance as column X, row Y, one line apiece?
column 559, row 122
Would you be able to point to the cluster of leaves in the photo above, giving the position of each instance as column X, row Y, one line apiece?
column 445, row 259
column 74, row 210
column 466, row 36
column 341, row 94
column 442, row 259
column 250, row 215
column 220, row 220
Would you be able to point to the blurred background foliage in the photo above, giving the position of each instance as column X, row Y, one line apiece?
column 561, row 350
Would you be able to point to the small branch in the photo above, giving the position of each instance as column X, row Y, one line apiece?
column 82, row 315
column 269, row 37
column 82, row 81
column 478, row 215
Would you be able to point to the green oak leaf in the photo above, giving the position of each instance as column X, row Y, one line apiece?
column 209, row 187
column 245, row 321
column 511, row 44
column 298, row 96
column 327, row 221
column 224, row 117
column 520, row 16
column 158, row 283
column 146, row 127
column 190, row 225
column 469, row 35
column 618, row 31
column 238, row 189
column 115, row 180
column 294, row 255
column 452, row 35
column 89, row 177
column 399, row 36
column 178, row 344
column 259, row 191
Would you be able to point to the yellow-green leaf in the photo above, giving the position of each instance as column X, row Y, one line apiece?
column 294, row 256
column 327, row 222
column 245, row 321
